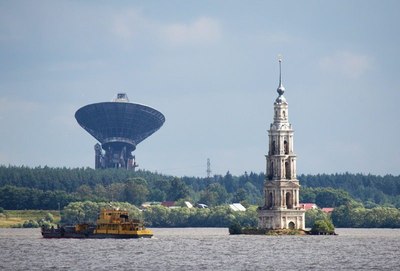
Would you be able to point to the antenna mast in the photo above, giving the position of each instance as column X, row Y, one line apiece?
column 208, row 168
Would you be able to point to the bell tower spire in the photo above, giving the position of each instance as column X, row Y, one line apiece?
column 281, row 88
column 281, row 208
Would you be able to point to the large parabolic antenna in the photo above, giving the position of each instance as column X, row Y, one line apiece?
column 119, row 126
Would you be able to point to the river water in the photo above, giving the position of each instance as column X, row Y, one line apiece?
column 203, row 249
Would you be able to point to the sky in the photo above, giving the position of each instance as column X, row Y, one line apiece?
column 211, row 68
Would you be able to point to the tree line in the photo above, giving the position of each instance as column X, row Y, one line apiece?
column 160, row 216
column 351, row 215
column 355, row 215
column 371, row 190
column 48, row 188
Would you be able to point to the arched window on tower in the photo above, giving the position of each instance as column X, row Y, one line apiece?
column 287, row 169
column 284, row 114
column 271, row 170
column 273, row 147
column 286, row 147
column 289, row 200
column 270, row 200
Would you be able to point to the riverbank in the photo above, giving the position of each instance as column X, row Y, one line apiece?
column 9, row 218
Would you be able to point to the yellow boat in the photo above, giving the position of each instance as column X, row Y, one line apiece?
column 117, row 224
column 111, row 223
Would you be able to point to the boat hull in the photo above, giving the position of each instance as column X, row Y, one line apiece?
column 62, row 233
column 93, row 235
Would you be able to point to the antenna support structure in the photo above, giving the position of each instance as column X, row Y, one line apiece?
column 208, row 168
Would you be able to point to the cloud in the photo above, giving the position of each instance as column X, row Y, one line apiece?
column 132, row 25
column 346, row 63
column 202, row 31
column 128, row 24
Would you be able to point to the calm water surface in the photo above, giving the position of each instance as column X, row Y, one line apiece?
column 203, row 249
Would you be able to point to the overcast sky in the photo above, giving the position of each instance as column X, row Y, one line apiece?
column 211, row 68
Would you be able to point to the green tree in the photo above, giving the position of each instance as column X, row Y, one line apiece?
column 88, row 211
column 199, row 217
column 136, row 190
column 116, row 192
column 100, row 191
column 249, row 218
column 240, row 195
column 49, row 217
column 157, row 216
column 179, row 217
column 157, row 195
column 215, row 194
column 178, row 190
column 348, row 216
column 307, row 195
column 30, row 224
column 382, row 217
column 85, row 192
column 235, row 228
column 208, row 197
column 221, row 216
column 313, row 215
column 230, row 183
column 323, row 226
column 329, row 197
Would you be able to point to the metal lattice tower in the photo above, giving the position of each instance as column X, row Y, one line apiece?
column 208, row 168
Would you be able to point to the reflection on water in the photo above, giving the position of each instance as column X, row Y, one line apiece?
column 203, row 249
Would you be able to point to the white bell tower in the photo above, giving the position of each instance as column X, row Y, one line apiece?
column 281, row 208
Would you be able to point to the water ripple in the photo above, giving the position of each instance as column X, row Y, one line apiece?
column 203, row 249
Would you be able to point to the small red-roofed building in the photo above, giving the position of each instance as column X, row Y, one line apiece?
column 308, row 206
column 168, row 204
column 327, row 210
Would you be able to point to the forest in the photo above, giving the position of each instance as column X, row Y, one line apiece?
column 48, row 188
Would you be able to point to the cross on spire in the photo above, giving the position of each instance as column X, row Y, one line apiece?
column 281, row 88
